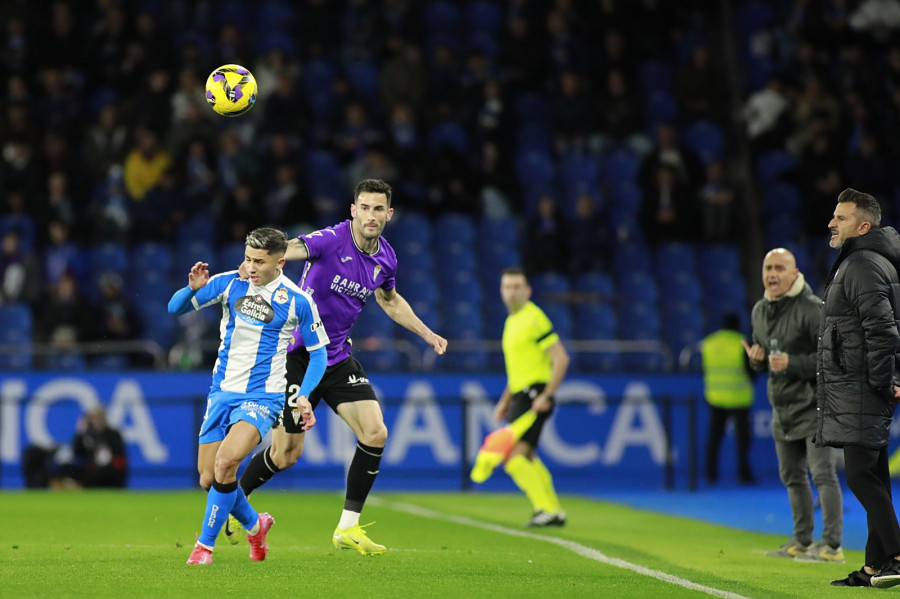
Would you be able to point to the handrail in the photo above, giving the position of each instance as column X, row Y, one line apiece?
column 91, row 348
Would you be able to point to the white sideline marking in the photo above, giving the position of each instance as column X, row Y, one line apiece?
column 572, row 546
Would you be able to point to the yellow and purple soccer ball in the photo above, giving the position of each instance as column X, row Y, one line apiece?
column 231, row 90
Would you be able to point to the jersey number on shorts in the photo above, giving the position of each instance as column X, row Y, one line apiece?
column 294, row 391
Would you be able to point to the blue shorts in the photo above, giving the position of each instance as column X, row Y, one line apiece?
column 224, row 408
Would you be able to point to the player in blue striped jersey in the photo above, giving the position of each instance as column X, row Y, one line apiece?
column 259, row 316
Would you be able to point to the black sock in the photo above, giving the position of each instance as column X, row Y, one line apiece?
column 361, row 476
column 259, row 471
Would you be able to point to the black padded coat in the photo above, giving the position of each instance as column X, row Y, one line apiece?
column 857, row 358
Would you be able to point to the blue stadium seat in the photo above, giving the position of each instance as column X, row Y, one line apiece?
column 598, row 285
column 719, row 258
column 364, row 78
column 152, row 256
column 631, row 257
column 534, row 137
column 318, row 74
column 531, row 107
column 706, row 139
column 782, row 199
column 230, row 255
column 450, row 134
column 549, row 287
column 621, row 165
column 441, row 16
column 534, row 168
column 659, row 107
column 483, row 15
column 455, row 226
column 409, row 226
column 655, row 75
column 773, row 165
column 326, row 173
column 638, row 286
column 274, row 15
column 200, row 227
column 673, row 258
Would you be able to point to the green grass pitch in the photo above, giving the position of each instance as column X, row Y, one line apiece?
column 134, row 544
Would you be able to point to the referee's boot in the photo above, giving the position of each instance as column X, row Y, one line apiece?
column 356, row 538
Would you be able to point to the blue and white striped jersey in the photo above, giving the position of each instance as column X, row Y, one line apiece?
column 256, row 327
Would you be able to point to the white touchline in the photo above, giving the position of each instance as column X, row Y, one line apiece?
column 577, row 548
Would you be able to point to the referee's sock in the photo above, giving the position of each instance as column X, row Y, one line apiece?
column 528, row 478
column 259, row 471
column 547, row 480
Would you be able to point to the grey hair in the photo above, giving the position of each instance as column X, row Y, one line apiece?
column 269, row 239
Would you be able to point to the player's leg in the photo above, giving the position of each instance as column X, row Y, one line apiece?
column 212, row 434
column 287, row 434
column 350, row 395
column 531, row 476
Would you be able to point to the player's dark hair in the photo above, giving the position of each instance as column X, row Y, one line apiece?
column 866, row 205
column 515, row 270
column 373, row 186
column 269, row 239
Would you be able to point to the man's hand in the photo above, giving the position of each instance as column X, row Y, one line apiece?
column 542, row 403
column 778, row 362
column 304, row 408
column 754, row 352
column 438, row 343
column 242, row 271
column 199, row 276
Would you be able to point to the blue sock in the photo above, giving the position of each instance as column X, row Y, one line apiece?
column 219, row 502
column 243, row 511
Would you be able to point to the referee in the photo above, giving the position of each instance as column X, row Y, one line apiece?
column 536, row 363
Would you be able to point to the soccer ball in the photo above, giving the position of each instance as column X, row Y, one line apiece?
column 231, row 90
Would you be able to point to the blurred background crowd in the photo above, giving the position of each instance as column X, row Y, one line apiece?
column 636, row 156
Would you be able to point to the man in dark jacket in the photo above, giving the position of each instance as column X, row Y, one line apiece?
column 785, row 329
column 857, row 372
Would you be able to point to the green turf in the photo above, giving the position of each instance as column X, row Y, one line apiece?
column 132, row 544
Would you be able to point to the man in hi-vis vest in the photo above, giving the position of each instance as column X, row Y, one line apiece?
column 729, row 393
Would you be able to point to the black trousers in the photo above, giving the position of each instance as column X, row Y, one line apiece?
column 718, row 418
column 869, row 479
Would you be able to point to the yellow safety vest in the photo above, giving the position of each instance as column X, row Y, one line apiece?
column 724, row 373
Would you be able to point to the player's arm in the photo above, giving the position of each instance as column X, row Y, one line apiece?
column 402, row 313
column 502, row 407
column 318, row 361
column 296, row 249
column 197, row 279
column 559, row 365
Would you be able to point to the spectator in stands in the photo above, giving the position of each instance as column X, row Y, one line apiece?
column 728, row 390
column 785, row 336
column 700, row 87
column 866, row 167
column 66, row 318
column 18, row 217
column 718, row 205
column 285, row 108
column 99, row 450
column 403, row 78
column 116, row 318
column 60, row 255
column 572, row 115
column 767, row 116
column 104, row 144
column 668, row 208
column 820, row 180
column 547, row 237
column 240, row 213
column 619, row 113
column 815, row 110
column 683, row 162
column 588, row 237
column 235, row 163
column 522, row 58
column 20, row 277
column 145, row 164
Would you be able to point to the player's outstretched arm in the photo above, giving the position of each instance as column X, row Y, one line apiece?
column 197, row 279
column 296, row 250
column 402, row 313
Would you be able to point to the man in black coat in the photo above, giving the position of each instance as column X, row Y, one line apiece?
column 858, row 370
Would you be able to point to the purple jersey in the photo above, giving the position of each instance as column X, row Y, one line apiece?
column 340, row 277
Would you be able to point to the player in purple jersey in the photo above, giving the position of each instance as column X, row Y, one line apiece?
column 345, row 265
